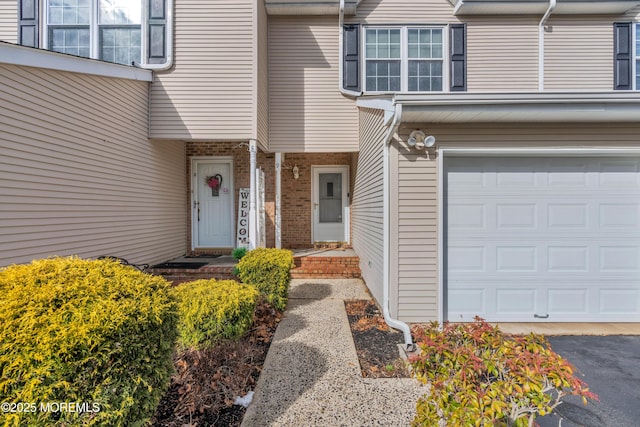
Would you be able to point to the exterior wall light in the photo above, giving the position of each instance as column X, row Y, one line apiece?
column 420, row 140
column 296, row 172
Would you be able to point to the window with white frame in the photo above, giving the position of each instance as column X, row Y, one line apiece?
column 110, row 30
column 404, row 59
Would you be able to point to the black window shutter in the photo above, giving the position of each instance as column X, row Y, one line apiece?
column 28, row 23
column 351, row 59
column 622, row 62
column 458, row 43
column 157, row 32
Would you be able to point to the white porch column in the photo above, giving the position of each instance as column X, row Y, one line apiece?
column 278, row 218
column 253, row 194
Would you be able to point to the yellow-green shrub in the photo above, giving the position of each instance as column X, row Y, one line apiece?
column 80, row 331
column 268, row 270
column 212, row 310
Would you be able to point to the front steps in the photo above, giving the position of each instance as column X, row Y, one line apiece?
column 335, row 264
column 309, row 264
column 181, row 275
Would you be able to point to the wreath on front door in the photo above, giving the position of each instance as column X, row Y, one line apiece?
column 214, row 182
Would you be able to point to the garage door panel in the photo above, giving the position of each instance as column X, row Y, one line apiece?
column 556, row 237
column 516, row 215
column 516, row 259
column 620, row 259
column 567, row 215
column 620, row 301
column 567, row 301
column 619, row 216
column 511, row 301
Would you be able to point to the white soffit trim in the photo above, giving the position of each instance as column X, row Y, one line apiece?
column 30, row 57
column 538, row 7
column 529, row 107
column 301, row 7
column 377, row 103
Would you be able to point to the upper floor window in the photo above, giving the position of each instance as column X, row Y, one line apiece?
column 110, row 30
column 404, row 59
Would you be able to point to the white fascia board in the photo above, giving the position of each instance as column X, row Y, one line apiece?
column 534, row 7
column 535, row 107
column 378, row 103
column 301, row 7
column 31, row 57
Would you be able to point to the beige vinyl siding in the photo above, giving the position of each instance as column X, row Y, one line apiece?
column 9, row 21
column 403, row 12
column 262, row 81
column 417, row 198
column 208, row 94
column 367, row 201
column 414, row 239
column 579, row 54
column 307, row 113
column 502, row 55
column 78, row 174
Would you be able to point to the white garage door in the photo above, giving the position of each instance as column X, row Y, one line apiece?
column 554, row 239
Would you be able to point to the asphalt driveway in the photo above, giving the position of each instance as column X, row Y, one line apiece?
column 610, row 365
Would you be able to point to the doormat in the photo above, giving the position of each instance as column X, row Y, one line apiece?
column 203, row 256
column 181, row 265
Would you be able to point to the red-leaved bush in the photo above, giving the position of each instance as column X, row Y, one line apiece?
column 479, row 376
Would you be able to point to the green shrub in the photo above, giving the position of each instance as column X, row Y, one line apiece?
column 91, row 332
column 480, row 377
column 213, row 310
column 268, row 270
column 239, row 253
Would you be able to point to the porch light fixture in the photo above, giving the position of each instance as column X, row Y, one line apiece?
column 420, row 140
column 296, row 172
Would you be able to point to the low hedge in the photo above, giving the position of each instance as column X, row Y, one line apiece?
column 84, row 342
column 213, row 310
column 268, row 270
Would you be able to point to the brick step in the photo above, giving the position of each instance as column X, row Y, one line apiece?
column 345, row 261
column 307, row 267
column 177, row 275
column 341, row 273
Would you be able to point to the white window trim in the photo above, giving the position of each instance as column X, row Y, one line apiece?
column 94, row 49
column 404, row 57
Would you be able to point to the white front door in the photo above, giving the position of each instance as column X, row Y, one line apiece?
column 213, row 225
column 330, row 203
column 543, row 238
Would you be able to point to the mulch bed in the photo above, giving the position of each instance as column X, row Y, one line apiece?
column 206, row 382
column 376, row 343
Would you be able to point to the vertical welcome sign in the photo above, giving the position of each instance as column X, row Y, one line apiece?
column 242, row 238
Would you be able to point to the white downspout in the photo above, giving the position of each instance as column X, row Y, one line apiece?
column 552, row 5
column 253, row 194
column 386, row 240
column 343, row 91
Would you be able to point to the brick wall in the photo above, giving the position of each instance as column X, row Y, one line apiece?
column 296, row 194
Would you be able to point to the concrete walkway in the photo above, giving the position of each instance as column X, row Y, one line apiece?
column 311, row 376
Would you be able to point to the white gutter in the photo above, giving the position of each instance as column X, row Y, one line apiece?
column 343, row 91
column 552, row 5
column 386, row 240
